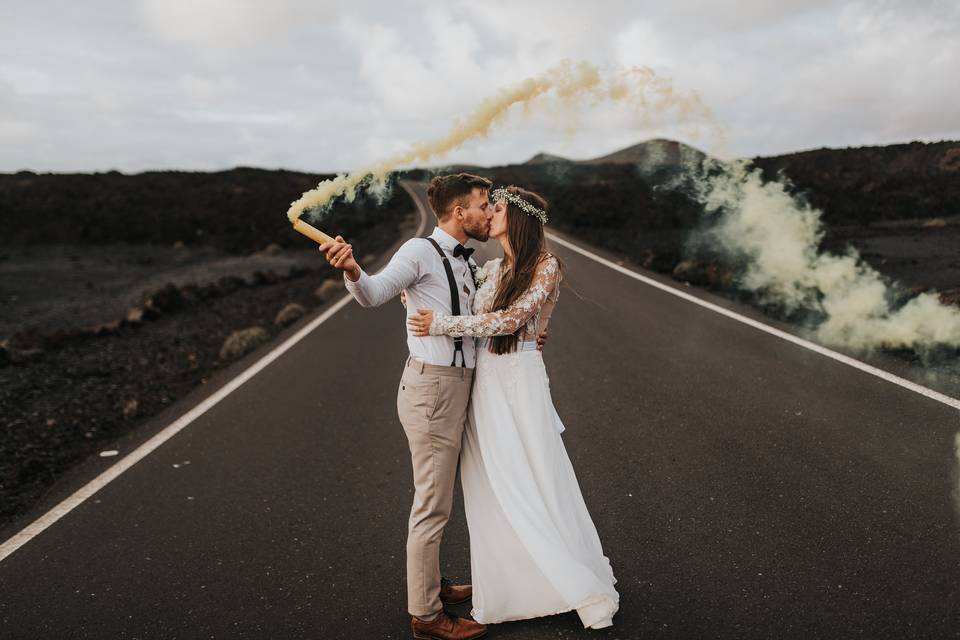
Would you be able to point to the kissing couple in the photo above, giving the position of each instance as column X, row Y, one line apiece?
column 474, row 391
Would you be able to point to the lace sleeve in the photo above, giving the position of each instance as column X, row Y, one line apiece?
column 490, row 267
column 504, row 321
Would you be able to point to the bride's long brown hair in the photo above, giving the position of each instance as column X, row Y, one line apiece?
column 525, row 234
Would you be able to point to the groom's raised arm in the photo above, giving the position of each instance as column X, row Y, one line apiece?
column 402, row 271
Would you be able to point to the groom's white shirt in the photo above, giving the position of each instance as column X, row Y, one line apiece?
column 417, row 267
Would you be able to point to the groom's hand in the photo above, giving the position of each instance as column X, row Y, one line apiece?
column 542, row 340
column 340, row 255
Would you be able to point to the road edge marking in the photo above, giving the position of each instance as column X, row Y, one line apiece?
column 408, row 187
column 812, row 346
column 138, row 454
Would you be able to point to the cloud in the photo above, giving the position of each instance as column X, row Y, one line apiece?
column 204, row 88
column 328, row 86
column 230, row 25
column 641, row 43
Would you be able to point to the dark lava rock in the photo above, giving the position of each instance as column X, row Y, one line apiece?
column 130, row 408
column 950, row 296
column 229, row 284
column 289, row 314
column 264, row 277
column 242, row 342
column 272, row 249
column 105, row 328
column 26, row 339
column 165, row 300
column 328, row 289
column 135, row 315
column 24, row 356
column 692, row 271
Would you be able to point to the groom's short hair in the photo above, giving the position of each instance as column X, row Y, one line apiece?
column 446, row 192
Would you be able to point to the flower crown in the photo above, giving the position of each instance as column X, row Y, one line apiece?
column 501, row 193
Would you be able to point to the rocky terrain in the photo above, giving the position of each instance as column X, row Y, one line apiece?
column 122, row 293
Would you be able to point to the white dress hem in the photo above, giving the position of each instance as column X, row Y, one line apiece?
column 605, row 619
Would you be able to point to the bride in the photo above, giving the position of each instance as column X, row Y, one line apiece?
column 534, row 551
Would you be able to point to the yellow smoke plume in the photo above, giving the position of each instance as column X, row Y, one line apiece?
column 639, row 87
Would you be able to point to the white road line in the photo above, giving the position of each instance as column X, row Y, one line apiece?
column 812, row 346
column 421, row 209
column 141, row 452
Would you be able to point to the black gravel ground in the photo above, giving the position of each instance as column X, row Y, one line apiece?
column 77, row 371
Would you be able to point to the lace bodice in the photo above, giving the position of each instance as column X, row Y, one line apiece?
column 530, row 313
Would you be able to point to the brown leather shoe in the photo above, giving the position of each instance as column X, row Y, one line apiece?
column 446, row 627
column 454, row 593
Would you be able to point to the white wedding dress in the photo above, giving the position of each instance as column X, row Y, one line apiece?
column 534, row 550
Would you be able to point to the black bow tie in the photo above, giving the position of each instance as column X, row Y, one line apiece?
column 461, row 250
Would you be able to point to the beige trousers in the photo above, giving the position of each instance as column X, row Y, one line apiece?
column 432, row 405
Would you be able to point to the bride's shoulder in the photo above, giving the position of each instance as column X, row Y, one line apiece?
column 548, row 263
column 491, row 265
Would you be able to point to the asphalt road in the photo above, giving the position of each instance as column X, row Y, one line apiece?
column 742, row 486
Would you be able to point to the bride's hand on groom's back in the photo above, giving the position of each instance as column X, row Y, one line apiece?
column 542, row 340
column 420, row 323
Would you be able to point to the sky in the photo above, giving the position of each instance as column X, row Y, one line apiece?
column 318, row 86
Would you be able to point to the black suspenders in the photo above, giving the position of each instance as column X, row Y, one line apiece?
column 454, row 303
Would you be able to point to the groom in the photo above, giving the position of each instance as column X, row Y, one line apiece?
column 434, row 388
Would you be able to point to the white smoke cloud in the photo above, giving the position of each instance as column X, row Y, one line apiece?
column 774, row 238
